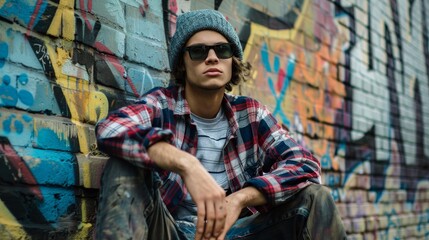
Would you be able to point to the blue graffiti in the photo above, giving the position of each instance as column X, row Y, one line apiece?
column 4, row 52
column 326, row 160
column 7, row 124
column 265, row 58
column 26, row 11
column 48, row 139
column 17, row 125
column 57, row 190
column 290, row 67
column 25, row 96
column 10, row 95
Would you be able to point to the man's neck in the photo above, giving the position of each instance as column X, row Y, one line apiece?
column 205, row 104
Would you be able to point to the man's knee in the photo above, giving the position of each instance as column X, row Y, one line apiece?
column 324, row 218
column 122, row 181
column 317, row 199
column 317, row 192
column 124, row 201
column 121, row 171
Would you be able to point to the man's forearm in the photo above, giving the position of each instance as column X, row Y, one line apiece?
column 170, row 158
column 248, row 197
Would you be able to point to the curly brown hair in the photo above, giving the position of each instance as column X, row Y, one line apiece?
column 240, row 72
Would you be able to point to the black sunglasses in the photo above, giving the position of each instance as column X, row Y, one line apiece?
column 199, row 52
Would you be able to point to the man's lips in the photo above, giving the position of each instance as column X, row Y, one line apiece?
column 213, row 71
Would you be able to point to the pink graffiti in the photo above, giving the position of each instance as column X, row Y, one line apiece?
column 83, row 12
column 143, row 8
column 110, row 58
column 172, row 17
column 115, row 62
column 33, row 17
column 280, row 80
column 19, row 165
column 324, row 21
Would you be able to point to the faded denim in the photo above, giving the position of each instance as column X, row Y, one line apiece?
column 130, row 207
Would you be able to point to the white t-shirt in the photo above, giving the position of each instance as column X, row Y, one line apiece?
column 211, row 141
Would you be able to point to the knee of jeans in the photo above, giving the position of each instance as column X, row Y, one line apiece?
column 314, row 191
column 324, row 193
column 318, row 194
column 120, row 172
column 122, row 193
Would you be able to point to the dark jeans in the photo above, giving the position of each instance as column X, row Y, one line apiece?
column 130, row 207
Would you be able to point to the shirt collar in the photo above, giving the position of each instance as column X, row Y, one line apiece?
column 229, row 112
column 182, row 108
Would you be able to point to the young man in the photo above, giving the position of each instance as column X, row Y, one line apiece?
column 192, row 162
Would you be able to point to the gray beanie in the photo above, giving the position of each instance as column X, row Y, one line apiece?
column 206, row 19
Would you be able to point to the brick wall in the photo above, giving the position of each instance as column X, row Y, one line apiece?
column 350, row 79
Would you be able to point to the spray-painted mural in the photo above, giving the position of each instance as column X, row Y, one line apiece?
column 348, row 78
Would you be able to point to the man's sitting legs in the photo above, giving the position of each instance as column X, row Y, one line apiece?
column 130, row 206
column 310, row 214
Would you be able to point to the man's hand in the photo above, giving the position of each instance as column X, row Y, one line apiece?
column 210, row 200
column 216, row 213
column 233, row 209
column 204, row 190
column 235, row 202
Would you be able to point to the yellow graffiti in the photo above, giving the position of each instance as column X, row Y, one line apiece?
column 63, row 22
column 13, row 228
column 86, row 174
column 314, row 79
column 84, row 231
column 86, row 104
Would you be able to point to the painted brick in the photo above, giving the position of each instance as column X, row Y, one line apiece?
column 369, row 236
column 18, row 49
column 353, row 210
column 103, row 12
column 90, row 170
column 143, row 81
column 347, row 225
column 358, row 225
column 56, row 202
column 55, row 134
column 382, row 222
column 46, row 164
column 111, row 39
column 371, row 224
column 64, row 66
column 342, row 208
column 146, row 24
column 149, row 53
column 355, row 236
column 16, row 126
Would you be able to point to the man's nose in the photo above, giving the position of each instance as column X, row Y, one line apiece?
column 211, row 56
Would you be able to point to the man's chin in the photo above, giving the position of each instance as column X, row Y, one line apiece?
column 212, row 87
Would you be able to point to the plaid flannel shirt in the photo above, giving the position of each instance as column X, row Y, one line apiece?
column 258, row 151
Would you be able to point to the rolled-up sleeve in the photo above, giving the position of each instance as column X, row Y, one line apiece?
column 287, row 166
column 128, row 132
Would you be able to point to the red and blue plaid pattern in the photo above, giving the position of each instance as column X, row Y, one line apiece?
column 259, row 152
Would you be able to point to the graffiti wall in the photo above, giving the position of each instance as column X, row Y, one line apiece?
column 349, row 79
